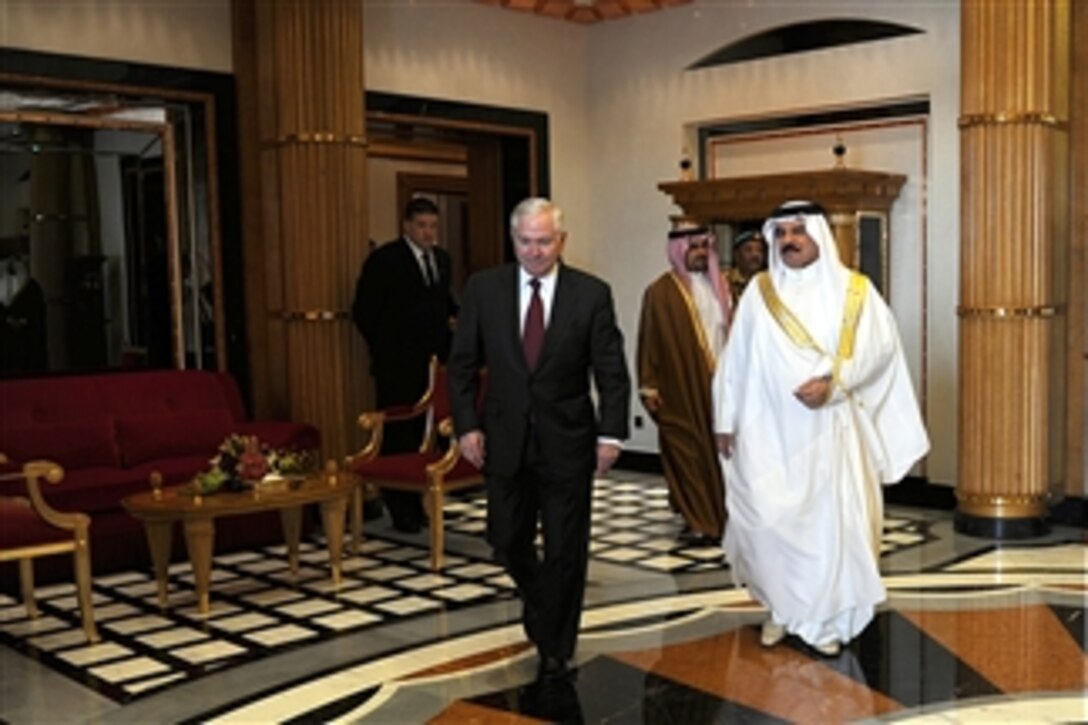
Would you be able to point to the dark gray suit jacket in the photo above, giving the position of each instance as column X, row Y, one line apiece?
column 582, row 342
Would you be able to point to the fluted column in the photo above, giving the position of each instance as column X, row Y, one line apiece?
column 1014, row 243
column 301, row 68
column 844, row 227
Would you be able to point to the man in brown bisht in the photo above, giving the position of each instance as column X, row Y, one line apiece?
column 685, row 319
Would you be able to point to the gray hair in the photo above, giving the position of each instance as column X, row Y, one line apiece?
column 534, row 206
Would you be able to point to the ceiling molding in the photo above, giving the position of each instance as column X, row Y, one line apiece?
column 585, row 12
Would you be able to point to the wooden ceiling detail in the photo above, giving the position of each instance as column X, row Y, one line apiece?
column 585, row 11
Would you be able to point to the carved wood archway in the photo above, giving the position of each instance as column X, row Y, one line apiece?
column 848, row 195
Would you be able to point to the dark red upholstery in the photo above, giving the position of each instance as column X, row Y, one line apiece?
column 94, row 490
column 160, row 436
column 75, row 443
column 280, row 434
column 442, row 398
column 410, row 468
column 21, row 526
column 111, row 431
column 399, row 467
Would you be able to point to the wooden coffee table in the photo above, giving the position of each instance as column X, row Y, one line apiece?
column 159, row 508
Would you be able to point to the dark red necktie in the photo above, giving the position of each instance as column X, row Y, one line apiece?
column 532, row 337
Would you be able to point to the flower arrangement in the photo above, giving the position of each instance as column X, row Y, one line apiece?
column 243, row 460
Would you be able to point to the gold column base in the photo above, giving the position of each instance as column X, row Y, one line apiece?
column 1003, row 506
column 1002, row 516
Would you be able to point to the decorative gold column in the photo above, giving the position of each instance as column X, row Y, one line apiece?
column 301, row 103
column 1014, row 242
column 844, row 227
column 1077, row 357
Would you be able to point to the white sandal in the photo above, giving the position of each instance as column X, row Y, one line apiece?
column 771, row 634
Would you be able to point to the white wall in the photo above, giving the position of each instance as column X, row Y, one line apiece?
column 641, row 97
column 460, row 50
column 186, row 33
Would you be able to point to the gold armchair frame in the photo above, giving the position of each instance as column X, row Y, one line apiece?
column 79, row 546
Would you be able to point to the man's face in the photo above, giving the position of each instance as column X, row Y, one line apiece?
column 796, row 248
column 697, row 258
column 751, row 256
column 537, row 244
column 422, row 229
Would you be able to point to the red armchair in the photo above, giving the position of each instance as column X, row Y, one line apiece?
column 433, row 470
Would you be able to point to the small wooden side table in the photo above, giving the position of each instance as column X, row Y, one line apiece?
column 159, row 508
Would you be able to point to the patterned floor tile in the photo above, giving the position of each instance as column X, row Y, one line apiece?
column 258, row 607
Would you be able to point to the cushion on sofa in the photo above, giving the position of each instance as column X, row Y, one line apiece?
column 93, row 490
column 72, row 444
column 100, row 490
column 146, row 438
column 52, row 400
column 161, row 392
column 174, row 470
column 281, row 434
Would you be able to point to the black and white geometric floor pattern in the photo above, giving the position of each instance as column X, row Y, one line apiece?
column 634, row 526
column 259, row 608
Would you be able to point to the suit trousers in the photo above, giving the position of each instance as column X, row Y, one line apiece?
column 551, row 588
column 404, row 388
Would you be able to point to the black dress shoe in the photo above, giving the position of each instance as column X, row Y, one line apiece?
column 553, row 701
column 552, row 668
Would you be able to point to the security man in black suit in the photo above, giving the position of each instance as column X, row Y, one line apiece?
column 404, row 308
column 543, row 330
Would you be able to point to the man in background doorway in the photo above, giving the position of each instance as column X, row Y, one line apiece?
column 403, row 307
column 749, row 258
column 682, row 330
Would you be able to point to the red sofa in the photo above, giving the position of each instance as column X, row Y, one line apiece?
column 111, row 431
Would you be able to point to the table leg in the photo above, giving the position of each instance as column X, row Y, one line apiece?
column 159, row 535
column 291, row 518
column 332, row 517
column 200, row 541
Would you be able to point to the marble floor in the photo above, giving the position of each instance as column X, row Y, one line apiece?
column 972, row 631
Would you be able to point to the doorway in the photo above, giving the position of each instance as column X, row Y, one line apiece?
column 475, row 162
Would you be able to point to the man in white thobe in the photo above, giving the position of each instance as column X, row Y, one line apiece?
column 813, row 411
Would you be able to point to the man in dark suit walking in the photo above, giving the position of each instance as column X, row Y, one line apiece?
column 543, row 330
column 403, row 307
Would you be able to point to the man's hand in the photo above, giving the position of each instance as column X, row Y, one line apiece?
column 607, row 453
column 472, row 447
column 652, row 401
column 814, row 392
column 725, row 444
